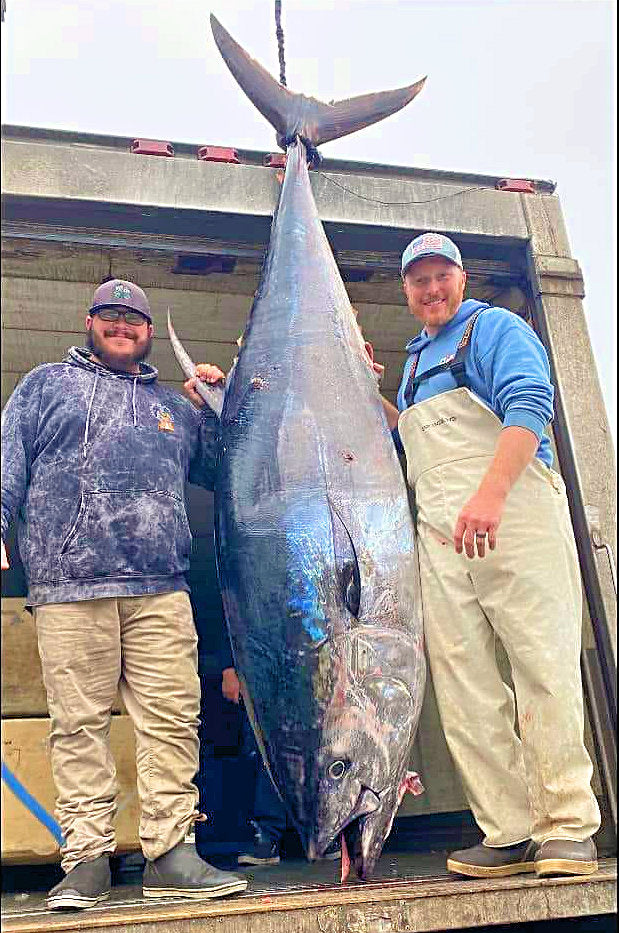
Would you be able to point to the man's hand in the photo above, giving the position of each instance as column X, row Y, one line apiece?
column 206, row 372
column 230, row 686
column 4, row 562
column 377, row 368
column 482, row 514
column 480, row 517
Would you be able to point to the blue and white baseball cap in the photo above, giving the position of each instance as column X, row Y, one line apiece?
column 430, row 244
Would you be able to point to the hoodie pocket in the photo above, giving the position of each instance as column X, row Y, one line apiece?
column 137, row 533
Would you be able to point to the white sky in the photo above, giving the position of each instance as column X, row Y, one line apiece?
column 519, row 88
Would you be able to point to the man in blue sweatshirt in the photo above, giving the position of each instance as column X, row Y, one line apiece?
column 95, row 457
column 497, row 558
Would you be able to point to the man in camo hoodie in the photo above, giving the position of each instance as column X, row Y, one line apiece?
column 95, row 457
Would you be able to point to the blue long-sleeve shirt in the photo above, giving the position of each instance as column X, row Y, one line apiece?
column 506, row 365
column 94, row 464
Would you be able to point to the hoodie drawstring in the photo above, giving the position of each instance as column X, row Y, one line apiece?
column 90, row 404
column 92, row 398
column 135, row 417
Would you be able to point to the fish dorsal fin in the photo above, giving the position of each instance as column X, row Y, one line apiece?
column 212, row 395
column 347, row 565
column 291, row 114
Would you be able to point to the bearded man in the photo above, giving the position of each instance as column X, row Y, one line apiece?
column 95, row 457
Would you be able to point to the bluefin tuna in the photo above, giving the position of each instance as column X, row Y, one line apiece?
column 315, row 542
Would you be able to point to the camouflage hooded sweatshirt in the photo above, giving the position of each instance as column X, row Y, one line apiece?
column 94, row 464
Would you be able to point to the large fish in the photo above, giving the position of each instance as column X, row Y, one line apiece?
column 314, row 534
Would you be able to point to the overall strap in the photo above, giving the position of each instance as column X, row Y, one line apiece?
column 454, row 364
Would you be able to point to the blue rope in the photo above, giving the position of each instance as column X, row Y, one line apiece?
column 31, row 804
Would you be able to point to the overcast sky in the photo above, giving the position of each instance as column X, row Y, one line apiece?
column 520, row 88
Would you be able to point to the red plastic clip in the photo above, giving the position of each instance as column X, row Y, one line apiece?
column 275, row 160
column 218, row 154
column 152, row 147
column 516, row 184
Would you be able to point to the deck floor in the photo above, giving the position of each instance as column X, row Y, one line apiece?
column 410, row 892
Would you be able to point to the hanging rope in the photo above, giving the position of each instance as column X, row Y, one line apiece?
column 279, row 32
column 363, row 197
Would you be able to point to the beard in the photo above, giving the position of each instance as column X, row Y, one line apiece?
column 116, row 361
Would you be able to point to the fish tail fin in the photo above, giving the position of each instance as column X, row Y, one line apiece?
column 295, row 115
column 212, row 395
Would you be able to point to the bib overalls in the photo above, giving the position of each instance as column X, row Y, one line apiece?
column 527, row 592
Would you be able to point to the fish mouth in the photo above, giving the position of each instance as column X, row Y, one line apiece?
column 360, row 837
column 358, row 849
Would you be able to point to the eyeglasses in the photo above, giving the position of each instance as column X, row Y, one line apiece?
column 134, row 318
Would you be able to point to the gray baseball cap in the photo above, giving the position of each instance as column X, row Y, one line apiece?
column 430, row 244
column 119, row 293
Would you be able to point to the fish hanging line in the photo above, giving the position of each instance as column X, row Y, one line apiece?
column 313, row 156
column 279, row 32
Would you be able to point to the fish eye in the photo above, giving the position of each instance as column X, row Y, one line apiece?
column 337, row 769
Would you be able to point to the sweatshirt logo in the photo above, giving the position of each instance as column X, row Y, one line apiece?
column 165, row 421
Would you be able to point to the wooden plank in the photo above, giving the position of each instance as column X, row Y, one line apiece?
column 43, row 305
column 25, row 750
column 53, row 260
column 23, row 350
column 39, row 259
column 388, row 905
column 61, row 307
column 8, row 382
column 23, row 692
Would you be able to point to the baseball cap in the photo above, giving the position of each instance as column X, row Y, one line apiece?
column 430, row 244
column 118, row 293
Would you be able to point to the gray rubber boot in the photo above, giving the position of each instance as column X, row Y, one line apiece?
column 182, row 873
column 485, row 862
column 82, row 887
column 565, row 857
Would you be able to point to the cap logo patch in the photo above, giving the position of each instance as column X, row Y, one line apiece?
column 121, row 291
column 428, row 241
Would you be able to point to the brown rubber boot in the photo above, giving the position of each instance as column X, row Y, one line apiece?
column 497, row 862
column 566, row 857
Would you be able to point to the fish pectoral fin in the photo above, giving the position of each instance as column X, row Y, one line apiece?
column 212, row 395
column 347, row 565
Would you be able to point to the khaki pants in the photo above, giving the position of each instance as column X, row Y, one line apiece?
column 147, row 647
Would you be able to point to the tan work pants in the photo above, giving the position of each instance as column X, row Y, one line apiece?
column 526, row 592
column 147, row 647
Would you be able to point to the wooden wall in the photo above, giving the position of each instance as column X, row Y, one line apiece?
column 46, row 290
